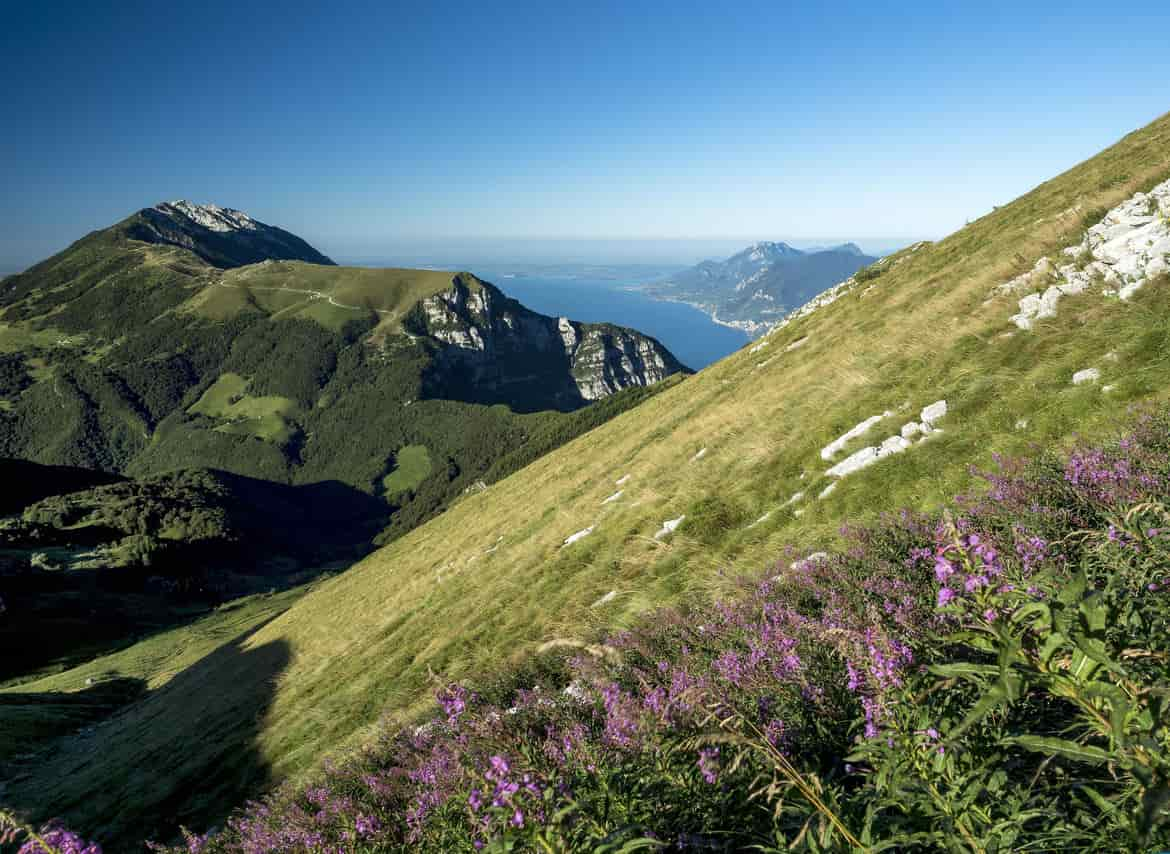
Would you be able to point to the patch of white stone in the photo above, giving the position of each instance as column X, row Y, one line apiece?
column 815, row 557
column 761, row 520
column 613, row 497
column 577, row 537
column 669, row 527
column 796, row 496
column 892, row 445
column 1127, row 248
column 757, row 348
column 825, row 493
column 622, row 481
column 830, row 450
column 605, row 600
column 797, row 344
column 1088, row 375
column 702, row 453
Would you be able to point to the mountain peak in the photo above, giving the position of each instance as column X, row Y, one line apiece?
column 851, row 248
column 225, row 237
column 766, row 250
column 211, row 217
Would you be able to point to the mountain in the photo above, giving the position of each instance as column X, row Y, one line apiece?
column 192, row 336
column 757, row 287
column 880, row 394
column 221, row 236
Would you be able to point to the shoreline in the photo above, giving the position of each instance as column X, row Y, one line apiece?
column 753, row 329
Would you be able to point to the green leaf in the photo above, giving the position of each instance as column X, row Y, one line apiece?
column 1052, row 643
column 989, row 702
column 965, row 670
column 1094, row 613
column 1060, row 747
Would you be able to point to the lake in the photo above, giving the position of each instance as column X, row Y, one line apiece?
column 691, row 335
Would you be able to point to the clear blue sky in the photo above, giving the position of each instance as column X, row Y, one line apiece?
column 369, row 128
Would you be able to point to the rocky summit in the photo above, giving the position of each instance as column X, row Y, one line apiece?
column 494, row 347
column 221, row 236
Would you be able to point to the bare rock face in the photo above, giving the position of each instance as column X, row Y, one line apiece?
column 494, row 350
column 1129, row 247
column 221, row 236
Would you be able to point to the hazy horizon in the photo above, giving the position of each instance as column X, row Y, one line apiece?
column 493, row 253
column 358, row 127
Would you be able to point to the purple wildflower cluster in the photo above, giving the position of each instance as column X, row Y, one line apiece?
column 59, row 841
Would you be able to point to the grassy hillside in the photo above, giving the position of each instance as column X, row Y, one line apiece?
column 140, row 358
column 487, row 580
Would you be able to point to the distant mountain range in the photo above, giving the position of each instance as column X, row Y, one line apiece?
column 756, row 288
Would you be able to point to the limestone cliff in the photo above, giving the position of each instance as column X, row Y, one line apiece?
column 491, row 348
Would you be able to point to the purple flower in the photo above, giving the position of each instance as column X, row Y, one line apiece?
column 945, row 596
column 709, row 764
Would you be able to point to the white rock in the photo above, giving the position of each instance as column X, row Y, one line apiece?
column 669, row 527
column 699, row 455
column 893, row 445
column 831, row 449
column 1105, row 389
column 797, row 344
column 580, row 535
column 622, row 481
column 934, row 412
column 815, row 557
column 613, row 497
column 1126, row 249
column 912, row 429
column 1088, row 375
column 761, row 520
column 758, row 347
column 826, row 492
column 796, row 496
column 1021, row 423
column 854, row 462
column 605, row 600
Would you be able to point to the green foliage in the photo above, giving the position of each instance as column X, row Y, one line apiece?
column 411, row 465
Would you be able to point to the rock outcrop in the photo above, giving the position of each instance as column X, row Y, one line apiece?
column 1127, row 248
column 492, row 349
column 221, row 236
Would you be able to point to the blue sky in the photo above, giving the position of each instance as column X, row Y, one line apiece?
column 376, row 129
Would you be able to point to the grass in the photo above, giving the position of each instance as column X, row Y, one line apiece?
column 161, row 673
column 331, row 296
column 266, row 417
column 412, row 465
column 488, row 580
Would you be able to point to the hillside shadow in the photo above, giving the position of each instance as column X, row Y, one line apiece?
column 30, row 719
column 184, row 755
column 524, row 381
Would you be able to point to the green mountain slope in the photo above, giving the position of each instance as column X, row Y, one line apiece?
column 580, row 536
column 156, row 345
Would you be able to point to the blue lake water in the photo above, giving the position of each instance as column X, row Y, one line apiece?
column 690, row 334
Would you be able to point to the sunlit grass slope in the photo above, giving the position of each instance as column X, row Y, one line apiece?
column 491, row 577
column 331, row 296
